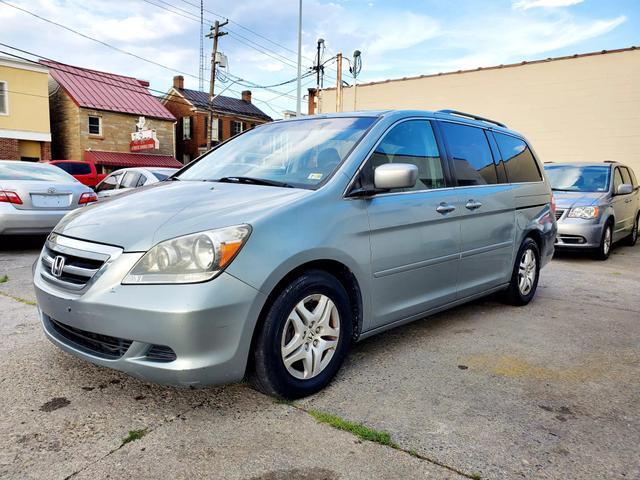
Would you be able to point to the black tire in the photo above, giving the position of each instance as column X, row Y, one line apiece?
column 603, row 251
column 632, row 238
column 269, row 374
column 514, row 295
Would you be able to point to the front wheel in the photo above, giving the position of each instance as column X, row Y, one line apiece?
column 524, row 278
column 304, row 338
column 604, row 250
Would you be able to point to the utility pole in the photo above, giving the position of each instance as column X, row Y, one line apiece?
column 319, row 68
column 202, row 60
column 339, row 83
column 299, row 96
column 215, row 33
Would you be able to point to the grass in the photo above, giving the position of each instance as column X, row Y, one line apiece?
column 4, row 278
column 134, row 435
column 361, row 431
column 18, row 299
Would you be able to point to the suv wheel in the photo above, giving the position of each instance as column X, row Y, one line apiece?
column 604, row 250
column 304, row 338
column 524, row 279
column 633, row 236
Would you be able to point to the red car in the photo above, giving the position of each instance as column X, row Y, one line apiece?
column 84, row 172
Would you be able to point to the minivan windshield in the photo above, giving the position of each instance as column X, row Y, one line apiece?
column 574, row 178
column 300, row 153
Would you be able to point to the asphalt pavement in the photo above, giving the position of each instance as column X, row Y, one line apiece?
column 550, row 390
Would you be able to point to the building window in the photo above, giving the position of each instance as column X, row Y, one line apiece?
column 236, row 127
column 215, row 130
column 4, row 99
column 186, row 128
column 95, row 125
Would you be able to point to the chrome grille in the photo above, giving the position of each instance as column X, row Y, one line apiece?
column 559, row 213
column 71, row 263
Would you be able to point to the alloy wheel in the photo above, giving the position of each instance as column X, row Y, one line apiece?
column 310, row 336
column 606, row 241
column 527, row 272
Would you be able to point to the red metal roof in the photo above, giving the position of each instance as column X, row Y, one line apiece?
column 107, row 91
column 118, row 159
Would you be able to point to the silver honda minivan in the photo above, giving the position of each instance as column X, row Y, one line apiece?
column 268, row 256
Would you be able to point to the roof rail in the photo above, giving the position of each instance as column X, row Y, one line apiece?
column 471, row 115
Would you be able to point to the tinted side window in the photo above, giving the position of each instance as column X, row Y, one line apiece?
column 64, row 166
column 129, row 180
column 79, row 169
column 626, row 178
column 519, row 161
column 109, row 183
column 634, row 181
column 617, row 180
column 411, row 142
column 472, row 159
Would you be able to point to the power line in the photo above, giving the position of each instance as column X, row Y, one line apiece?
column 108, row 79
column 88, row 37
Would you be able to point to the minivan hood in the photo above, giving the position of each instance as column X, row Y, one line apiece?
column 577, row 199
column 140, row 219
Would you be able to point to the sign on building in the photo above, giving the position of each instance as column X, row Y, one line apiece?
column 143, row 138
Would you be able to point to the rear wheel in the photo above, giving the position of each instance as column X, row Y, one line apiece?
column 604, row 250
column 304, row 338
column 633, row 236
column 524, row 278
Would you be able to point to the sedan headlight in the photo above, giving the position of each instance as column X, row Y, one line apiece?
column 189, row 259
column 584, row 212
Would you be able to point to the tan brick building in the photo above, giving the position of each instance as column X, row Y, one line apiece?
column 191, row 109
column 580, row 108
column 111, row 120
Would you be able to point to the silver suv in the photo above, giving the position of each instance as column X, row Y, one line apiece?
column 270, row 254
column 598, row 204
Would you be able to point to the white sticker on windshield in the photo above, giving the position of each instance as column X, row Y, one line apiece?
column 314, row 176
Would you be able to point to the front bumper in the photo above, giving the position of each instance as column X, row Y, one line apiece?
column 28, row 222
column 578, row 233
column 208, row 325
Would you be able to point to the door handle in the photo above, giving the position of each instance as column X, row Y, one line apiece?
column 445, row 208
column 472, row 205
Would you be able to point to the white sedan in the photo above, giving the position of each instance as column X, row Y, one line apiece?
column 128, row 178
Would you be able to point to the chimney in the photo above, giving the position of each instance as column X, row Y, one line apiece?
column 178, row 82
column 246, row 96
column 311, row 106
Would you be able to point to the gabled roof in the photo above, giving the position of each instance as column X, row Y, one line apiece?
column 221, row 103
column 107, row 91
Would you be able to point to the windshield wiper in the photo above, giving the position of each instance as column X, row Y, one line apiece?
column 254, row 181
column 563, row 190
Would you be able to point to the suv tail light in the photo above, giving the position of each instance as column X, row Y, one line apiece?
column 10, row 197
column 87, row 197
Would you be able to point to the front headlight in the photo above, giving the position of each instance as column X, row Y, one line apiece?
column 189, row 259
column 584, row 212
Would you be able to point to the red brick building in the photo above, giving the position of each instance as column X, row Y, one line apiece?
column 191, row 109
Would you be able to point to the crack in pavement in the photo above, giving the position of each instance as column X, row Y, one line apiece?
column 148, row 431
column 394, row 446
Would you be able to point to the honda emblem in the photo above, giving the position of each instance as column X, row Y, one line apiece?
column 57, row 266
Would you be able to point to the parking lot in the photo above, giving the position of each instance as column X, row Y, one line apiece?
column 550, row 390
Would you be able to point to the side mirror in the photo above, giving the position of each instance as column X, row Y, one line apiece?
column 624, row 189
column 395, row 175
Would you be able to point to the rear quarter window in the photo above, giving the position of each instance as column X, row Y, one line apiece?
column 518, row 159
column 75, row 168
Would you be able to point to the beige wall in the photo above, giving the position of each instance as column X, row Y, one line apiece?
column 578, row 109
column 28, row 97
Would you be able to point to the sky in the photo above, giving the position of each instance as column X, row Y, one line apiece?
column 396, row 38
